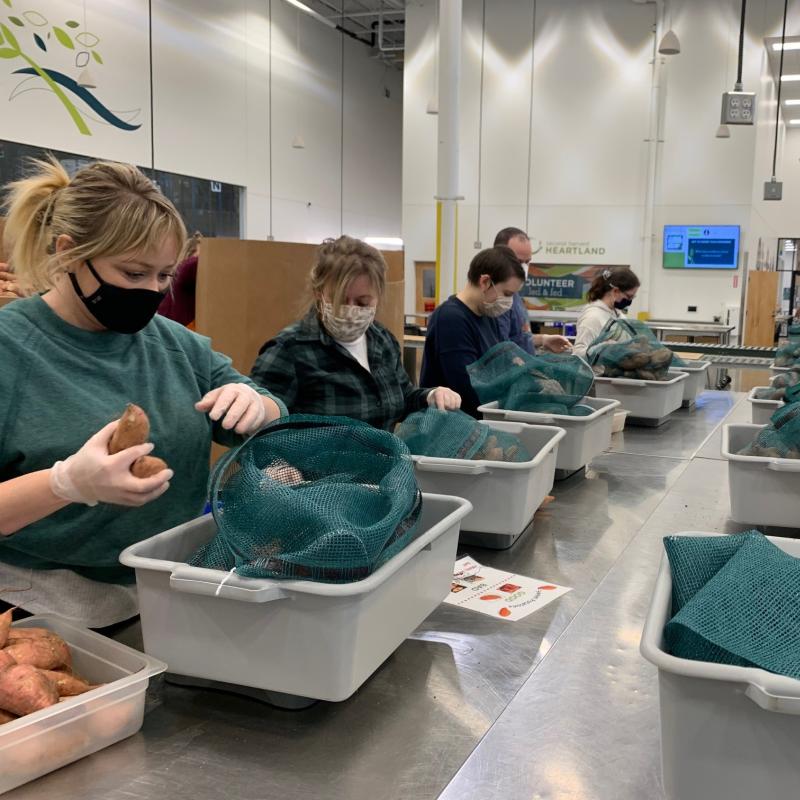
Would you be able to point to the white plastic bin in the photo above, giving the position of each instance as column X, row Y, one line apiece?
column 764, row 491
column 727, row 733
column 586, row 437
column 649, row 402
column 777, row 370
column 504, row 495
column 762, row 410
column 41, row 742
column 697, row 381
column 300, row 638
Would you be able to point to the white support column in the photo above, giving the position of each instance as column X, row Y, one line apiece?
column 447, row 196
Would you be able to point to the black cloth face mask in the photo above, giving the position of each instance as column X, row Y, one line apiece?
column 623, row 304
column 116, row 308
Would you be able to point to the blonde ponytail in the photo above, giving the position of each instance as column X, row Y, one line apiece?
column 106, row 209
column 30, row 208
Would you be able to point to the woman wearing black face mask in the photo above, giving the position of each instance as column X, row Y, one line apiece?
column 99, row 251
column 611, row 292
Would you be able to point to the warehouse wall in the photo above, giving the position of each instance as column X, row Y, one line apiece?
column 588, row 154
column 211, row 116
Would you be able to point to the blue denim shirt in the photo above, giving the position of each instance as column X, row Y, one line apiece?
column 512, row 325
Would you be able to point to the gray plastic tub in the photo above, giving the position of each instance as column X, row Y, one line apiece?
column 299, row 638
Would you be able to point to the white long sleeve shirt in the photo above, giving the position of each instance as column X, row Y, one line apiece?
column 591, row 322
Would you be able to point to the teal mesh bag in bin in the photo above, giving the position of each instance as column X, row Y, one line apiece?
column 544, row 383
column 454, row 434
column 620, row 352
column 636, row 327
column 793, row 333
column 779, row 439
column 779, row 390
column 736, row 600
column 318, row 498
column 788, row 355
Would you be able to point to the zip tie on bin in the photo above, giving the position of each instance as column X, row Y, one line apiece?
column 224, row 581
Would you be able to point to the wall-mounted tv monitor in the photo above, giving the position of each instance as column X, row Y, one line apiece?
column 701, row 246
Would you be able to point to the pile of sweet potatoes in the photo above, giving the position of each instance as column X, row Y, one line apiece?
column 35, row 670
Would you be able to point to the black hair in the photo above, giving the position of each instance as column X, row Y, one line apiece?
column 622, row 278
column 507, row 234
column 499, row 263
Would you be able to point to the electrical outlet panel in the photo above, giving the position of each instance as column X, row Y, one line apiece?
column 738, row 108
column 773, row 190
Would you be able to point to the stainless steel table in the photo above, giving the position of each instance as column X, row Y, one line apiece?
column 559, row 705
column 662, row 328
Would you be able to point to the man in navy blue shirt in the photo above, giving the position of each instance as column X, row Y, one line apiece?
column 515, row 325
column 465, row 325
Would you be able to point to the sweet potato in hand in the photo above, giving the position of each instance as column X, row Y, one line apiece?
column 6, row 659
column 147, row 466
column 49, row 652
column 6, row 717
column 133, row 429
column 19, row 634
column 24, row 689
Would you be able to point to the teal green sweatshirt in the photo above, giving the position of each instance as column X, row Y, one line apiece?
column 60, row 384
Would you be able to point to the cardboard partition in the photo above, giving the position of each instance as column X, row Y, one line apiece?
column 247, row 291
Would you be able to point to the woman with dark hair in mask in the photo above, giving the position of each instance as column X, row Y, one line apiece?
column 465, row 326
column 611, row 292
column 337, row 360
column 98, row 251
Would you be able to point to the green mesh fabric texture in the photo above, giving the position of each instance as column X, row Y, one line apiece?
column 792, row 394
column 780, row 384
column 779, row 439
column 636, row 327
column 621, row 352
column 747, row 613
column 454, row 434
column 794, row 334
column 788, row 355
column 519, row 381
column 318, row 498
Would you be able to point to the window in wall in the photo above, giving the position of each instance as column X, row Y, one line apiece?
column 211, row 207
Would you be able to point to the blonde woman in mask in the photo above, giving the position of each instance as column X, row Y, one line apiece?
column 465, row 326
column 98, row 251
column 337, row 360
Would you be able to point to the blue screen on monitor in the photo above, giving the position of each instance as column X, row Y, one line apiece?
column 701, row 246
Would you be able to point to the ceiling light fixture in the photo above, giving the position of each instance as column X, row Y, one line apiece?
column 791, row 102
column 777, row 47
column 384, row 241
column 86, row 79
column 794, row 121
column 790, row 78
column 670, row 44
column 723, row 132
column 311, row 13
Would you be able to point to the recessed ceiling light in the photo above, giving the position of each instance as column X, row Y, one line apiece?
column 794, row 121
column 788, row 46
column 789, row 78
column 792, row 102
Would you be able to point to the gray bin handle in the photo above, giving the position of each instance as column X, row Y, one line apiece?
column 181, row 580
column 783, row 466
column 455, row 469
column 772, row 702
column 627, row 382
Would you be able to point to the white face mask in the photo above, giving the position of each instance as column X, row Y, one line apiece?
column 351, row 323
column 498, row 307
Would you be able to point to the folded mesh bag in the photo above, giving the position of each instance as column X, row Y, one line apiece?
column 736, row 600
column 327, row 499
column 454, row 434
column 519, row 381
column 788, row 355
column 779, row 439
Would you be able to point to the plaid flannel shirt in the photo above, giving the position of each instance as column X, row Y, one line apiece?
column 313, row 374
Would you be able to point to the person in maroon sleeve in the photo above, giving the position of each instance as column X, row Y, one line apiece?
column 179, row 302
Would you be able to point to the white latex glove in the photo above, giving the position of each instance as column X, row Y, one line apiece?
column 92, row 476
column 238, row 405
column 444, row 399
column 555, row 343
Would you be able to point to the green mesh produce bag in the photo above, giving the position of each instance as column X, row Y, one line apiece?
column 793, row 333
column 319, row 498
column 788, row 355
column 636, row 327
column 454, row 434
column 617, row 353
column 792, row 394
column 781, row 438
column 780, row 384
column 736, row 600
column 519, row 381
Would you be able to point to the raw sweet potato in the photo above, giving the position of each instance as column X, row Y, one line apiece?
column 133, row 429
column 18, row 634
column 24, row 689
column 6, row 659
column 5, row 626
column 6, row 717
column 147, row 466
column 66, row 685
column 49, row 652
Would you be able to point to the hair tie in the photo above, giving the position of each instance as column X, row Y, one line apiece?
column 607, row 274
